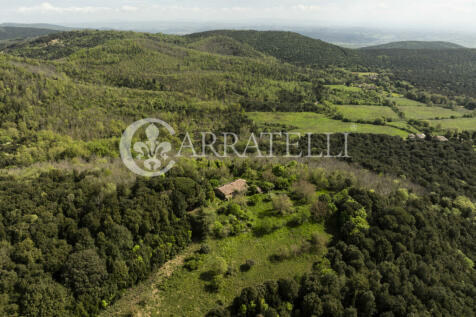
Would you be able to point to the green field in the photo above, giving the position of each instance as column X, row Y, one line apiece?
column 404, row 102
column 402, row 125
column 366, row 113
column 425, row 113
column 344, row 88
column 317, row 123
column 459, row 124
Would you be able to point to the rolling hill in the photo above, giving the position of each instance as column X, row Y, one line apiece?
column 288, row 46
column 44, row 26
column 12, row 34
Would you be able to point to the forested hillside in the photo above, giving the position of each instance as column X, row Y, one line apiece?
column 288, row 46
column 416, row 45
column 11, row 34
column 412, row 258
column 386, row 232
column 15, row 33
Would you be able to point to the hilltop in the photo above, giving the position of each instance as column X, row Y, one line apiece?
column 11, row 34
column 288, row 46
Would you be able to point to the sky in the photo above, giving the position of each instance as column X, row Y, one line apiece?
column 434, row 14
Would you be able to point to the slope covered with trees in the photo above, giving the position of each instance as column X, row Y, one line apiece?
column 288, row 46
column 416, row 45
column 411, row 258
column 77, row 229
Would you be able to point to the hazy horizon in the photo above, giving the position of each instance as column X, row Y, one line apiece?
column 426, row 15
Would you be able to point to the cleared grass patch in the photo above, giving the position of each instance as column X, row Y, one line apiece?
column 426, row 113
column 317, row 123
column 402, row 125
column 405, row 102
column 459, row 124
column 367, row 113
column 184, row 292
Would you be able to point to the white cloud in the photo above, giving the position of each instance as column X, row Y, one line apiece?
column 47, row 7
column 307, row 8
column 128, row 8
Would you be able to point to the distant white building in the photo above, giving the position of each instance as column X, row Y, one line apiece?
column 441, row 138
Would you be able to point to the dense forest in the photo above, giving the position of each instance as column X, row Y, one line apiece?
column 72, row 242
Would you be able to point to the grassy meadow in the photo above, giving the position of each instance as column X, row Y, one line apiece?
column 366, row 113
column 426, row 113
column 458, row 124
column 317, row 123
column 185, row 292
column 405, row 102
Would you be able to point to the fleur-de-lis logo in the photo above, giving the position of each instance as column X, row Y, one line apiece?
column 152, row 152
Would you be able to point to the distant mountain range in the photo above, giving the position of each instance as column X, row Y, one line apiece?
column 417, row 45
column 350, row 37
column 44, row 26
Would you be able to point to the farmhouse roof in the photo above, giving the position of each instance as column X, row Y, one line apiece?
column 229, row 189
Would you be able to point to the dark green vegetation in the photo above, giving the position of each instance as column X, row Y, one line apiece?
column 10, row 34
column 410, row 257
column 446, row 168
column 15, row 33
column 71, row 242
column 77, row 229
column 288, row 46
column 416, row 45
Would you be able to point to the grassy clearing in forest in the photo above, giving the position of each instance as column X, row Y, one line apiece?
column 459, row 124
column 367, row 113
column 425, row 113
column 184, row 293
column 317, row 123
column 405, row 102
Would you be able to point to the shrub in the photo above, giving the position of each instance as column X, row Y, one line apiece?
column 266, row 186
column 204, row 249
column 318, row 178
column 282, row 204
column 217, row 266
column 303, row 191
column 281, row 183
column 254, row 200
column 319, row 211
column 318, row 242
column 245, row 267
column 215, row 283
column 266, row 226
column 192, row 263
column 253, row 189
